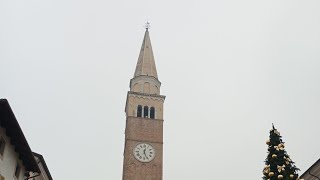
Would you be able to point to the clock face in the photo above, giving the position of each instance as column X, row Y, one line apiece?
column 144, row 152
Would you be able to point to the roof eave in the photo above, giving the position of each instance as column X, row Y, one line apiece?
column 14, row 131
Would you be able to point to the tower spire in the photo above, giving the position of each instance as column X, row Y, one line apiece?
column 143, row 147
column 146, row 65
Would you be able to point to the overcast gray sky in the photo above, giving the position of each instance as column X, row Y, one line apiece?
column 228, row 68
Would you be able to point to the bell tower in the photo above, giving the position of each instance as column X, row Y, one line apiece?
column 143, row 151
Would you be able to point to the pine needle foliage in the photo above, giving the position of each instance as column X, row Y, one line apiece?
column 278, row 165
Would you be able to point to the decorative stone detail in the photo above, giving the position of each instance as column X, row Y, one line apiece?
column 143, row 95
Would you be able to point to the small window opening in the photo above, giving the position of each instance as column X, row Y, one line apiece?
column 2, row 145
column 152, row 112
column 17, row 171
column 146, row 112
column 139, row 111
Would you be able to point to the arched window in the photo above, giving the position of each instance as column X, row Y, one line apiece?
column 152, row 112
column 139, row 111
column 146, row 111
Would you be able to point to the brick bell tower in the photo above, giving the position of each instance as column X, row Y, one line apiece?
column 143, row 151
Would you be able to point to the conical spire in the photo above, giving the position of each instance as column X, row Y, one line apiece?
column 146, row 65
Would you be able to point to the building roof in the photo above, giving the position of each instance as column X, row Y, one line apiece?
column 146, row 65
column 313, row 171
column 43, row 162
column 9, row 122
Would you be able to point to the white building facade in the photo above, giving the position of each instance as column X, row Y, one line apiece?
column 16, row 158
column 11, row 167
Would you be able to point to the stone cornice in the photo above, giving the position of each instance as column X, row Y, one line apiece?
column 146, row 95
column 141, row 118
column 148, row 141
column 145, row 76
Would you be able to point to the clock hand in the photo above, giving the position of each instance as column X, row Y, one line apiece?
column 144, row 152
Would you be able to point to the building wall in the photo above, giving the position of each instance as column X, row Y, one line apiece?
column 143, row 130
column 9, row 160
column 147, row 131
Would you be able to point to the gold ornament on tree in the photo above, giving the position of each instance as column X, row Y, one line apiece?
column 266, row 169
column 291, row 176
column 274, row 156
column 281, row 168
column 288, row 159
column 281, row 146
column 280, row 176
column 271, row 174
column 268, row 142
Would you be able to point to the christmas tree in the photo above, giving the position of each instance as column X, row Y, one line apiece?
column 278, row 162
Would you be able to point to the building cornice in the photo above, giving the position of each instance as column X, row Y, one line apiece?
column 139, row 140
column 144, row 76
column 141, row 118
column 143, row 95
column 139, row 94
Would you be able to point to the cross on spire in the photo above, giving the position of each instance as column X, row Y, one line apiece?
column 147, row 26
